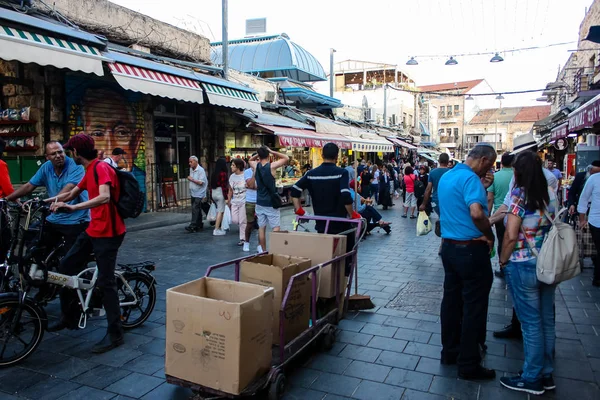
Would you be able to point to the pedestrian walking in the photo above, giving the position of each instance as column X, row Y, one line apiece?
column 529, row 219
column 410, row 201
column 590, row 200
column 467, row 241
column 578, row 184
column 250, row 204
column 197, row 179
column 352, row 168
column 118, row 154
column 496, row 194
column 366, row 178
column 267, row 204
column 328, row 186
column 431, row 192
column 220, row 188
column 237, row 197
column 375, row 183
column 385, row 180
column 424, row 178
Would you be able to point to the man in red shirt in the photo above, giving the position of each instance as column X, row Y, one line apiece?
column 103, row 237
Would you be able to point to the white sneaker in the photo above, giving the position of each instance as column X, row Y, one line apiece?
column 218, row 232
column 259, row 248
column 246, row 246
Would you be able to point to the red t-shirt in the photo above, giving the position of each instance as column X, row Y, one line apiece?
column 6, row 188
column 409, row 182
column 102, row 217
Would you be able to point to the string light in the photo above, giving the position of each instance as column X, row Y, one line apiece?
column 468, row 96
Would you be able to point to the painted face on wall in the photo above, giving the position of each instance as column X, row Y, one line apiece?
column 111, row 121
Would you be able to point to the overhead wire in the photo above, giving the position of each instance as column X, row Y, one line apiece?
column 485, row 53
column 467, row 94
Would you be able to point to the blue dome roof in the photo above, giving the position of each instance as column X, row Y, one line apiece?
column 271, row 56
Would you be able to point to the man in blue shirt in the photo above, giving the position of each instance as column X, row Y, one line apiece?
column 59, row 174
column 467, row 242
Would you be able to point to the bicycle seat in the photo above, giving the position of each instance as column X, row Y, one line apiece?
column 149, row 265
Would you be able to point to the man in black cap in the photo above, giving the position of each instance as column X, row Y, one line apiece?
column 118, row 154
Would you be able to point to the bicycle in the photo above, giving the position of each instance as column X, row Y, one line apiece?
column 23, row 319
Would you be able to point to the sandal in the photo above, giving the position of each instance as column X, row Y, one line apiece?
column 413, row 217
column 241, row 243
column 404, row 216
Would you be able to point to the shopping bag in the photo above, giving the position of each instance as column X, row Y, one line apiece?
column 423, row 224
column 212, row 213
column 226, row 219
column 587, row 248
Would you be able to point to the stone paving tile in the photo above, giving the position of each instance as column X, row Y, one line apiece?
column 303, row 377
column 371, row 390
column 326, row 363
column 412, row 335
column 409, row 379
column 351, row 325
column 49, row 389
column 379, row 330
column 101, row 376
column 134, row 385
column 388, row 344
column 410, row 394
column 425, row 350
column 368, row 371
column 455, row 388
column 298, row 393
column 398, row 360
column 86, row 393
column 336, row 384
column 146, row 364
column 434, row 367
column 168, row 391
column 360, row 353
column 360, row 339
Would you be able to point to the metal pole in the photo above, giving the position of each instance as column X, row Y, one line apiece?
column 385, row 104
column 331, row 72
column 225, row 39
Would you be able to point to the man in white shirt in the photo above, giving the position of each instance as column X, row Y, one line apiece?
column 197, row 180
column 591, row 194
column 118, row 154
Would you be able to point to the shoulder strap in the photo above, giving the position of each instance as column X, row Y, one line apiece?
column 112, row 209
column 531, row 248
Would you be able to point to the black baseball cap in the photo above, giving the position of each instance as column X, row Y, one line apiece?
column 118, row 151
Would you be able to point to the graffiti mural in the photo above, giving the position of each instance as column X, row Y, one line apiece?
column 113, row 117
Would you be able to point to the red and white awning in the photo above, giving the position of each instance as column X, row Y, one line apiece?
column 401, row 143
column 157, row 83
column 305, row 138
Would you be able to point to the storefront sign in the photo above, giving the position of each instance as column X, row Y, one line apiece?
column 585, row 117
column 561, row 144
column 559, row 132
column 294, row 141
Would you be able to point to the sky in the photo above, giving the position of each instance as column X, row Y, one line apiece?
column 393, row 31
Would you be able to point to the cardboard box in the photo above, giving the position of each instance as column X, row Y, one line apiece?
column 218, row 333
column 275, row 271
column 319, row 248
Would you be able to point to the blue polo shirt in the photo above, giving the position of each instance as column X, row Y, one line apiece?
column 458, row 189
column 71, row 173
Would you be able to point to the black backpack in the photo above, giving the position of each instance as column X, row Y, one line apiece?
column 131, row 199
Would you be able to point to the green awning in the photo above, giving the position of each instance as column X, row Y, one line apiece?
column 229, row 97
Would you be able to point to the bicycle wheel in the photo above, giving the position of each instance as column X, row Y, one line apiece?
column 19, row 337
column 145, row 290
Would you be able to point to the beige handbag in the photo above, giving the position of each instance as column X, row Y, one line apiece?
column 558, row 259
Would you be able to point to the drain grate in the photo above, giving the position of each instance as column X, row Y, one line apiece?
column 418, row 297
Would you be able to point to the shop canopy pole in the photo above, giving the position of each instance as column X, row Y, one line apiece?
column 356, row 200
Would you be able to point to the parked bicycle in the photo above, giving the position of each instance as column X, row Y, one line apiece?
column 23, row 319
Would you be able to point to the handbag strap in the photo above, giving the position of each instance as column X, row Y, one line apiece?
column 259, row 173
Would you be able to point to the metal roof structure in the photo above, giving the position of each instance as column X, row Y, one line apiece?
column 271, row 57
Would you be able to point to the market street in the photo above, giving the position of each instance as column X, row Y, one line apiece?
column 391, row 352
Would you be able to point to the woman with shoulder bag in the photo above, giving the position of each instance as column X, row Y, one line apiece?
column 528, row 221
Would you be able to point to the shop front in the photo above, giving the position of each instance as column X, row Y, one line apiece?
column 584, row 124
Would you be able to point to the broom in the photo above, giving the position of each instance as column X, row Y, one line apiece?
column 357, row 302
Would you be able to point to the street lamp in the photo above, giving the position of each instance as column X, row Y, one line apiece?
column 331, row 72
column 451, row 61
column 412, row 61
column 497, row 58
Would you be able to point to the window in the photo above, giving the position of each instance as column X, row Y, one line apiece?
column 449, row 131
column 456, row 132
column 442, row 132
column 449, row 108
column 457, row 110
column 442, row 109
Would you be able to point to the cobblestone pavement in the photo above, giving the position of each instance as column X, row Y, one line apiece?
column 391, row 352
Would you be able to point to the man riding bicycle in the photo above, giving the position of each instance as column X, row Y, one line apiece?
column 103, row 236
column 60, row 174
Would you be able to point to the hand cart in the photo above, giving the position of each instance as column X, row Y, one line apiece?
column 322, row 330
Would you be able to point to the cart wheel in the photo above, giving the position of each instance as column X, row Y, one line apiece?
column 277, row 387
column 328, row 339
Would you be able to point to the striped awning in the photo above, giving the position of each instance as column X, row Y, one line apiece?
column 229, row 97
column 305, row 138
column 28, row 47
column 157, row 83
column 400, row 143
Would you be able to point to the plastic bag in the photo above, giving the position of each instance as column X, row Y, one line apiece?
column 212, row 213
column 226, row 219
column 423, row 224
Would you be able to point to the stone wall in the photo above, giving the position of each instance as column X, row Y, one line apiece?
column 127, row 27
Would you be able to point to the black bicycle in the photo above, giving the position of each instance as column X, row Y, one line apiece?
column 23, row 319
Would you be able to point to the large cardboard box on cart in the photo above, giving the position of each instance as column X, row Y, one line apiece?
column 318, row 248
column 219, row 333
column 275, row 270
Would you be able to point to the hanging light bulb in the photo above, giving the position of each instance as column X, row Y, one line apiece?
column 500, row 97
column 451, row 61
column 412, row 61
column 496, row 58
column 469, row 97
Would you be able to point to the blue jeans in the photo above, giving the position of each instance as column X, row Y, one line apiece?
column 534, row 304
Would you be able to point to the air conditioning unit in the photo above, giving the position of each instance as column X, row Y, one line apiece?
column 369, row 114
column 270, row 96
